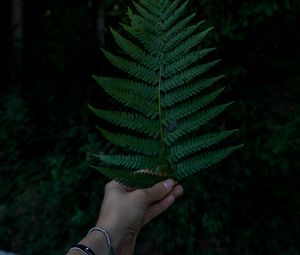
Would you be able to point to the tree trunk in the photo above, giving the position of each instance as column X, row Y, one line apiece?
column 17, row 45
column 100, row 22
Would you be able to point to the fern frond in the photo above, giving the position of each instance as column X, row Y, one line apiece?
column 188, row 91
column 174, row 30
column 165, row 4
column 193, row 122
column 150, row 43
column 170, row 7
column 132, row 68
column 135, row 179
column 188, row 108
column 113, row 85
column 195, row 144
column 182, row 35
column 134, row 51
column 185, row 61
column 134, row 101
column 186, row 45
column 141, row 23
column 197, row 163
column 136, row 144
column 167, row 99
column 152, row 19
column 152, row 7
column 175, row 16
column 135, row 162
column 130, row 120
column 186, row 76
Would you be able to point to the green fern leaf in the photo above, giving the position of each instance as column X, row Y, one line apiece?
column 195, row 144
column 136, row 144
column 151, row 44
column 182, row 35
column 186, row 76
column 197, row 163
column 167, row 99
column 188, row 91
column 185, row 61
column 176, row 15
column 169, row 8
column 129, row 120
column 134, row 51
column 134, row 101
column 188, row 108
column 179, row 27
column 135, row 179
column 193, row 122
column 135, row 162
column 132, row 68
column 152, row 19
column 151, row 7
column 186, row 45
column 139, row 22
column 113, row 85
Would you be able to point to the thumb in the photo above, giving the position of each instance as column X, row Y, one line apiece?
column 159, row 191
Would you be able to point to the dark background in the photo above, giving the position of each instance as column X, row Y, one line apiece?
column 49, row 197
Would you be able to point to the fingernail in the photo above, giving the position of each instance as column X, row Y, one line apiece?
column 168, row 183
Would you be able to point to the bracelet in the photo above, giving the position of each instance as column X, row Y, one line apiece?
column 107, row 237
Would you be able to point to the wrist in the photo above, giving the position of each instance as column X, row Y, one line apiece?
column 123, row 240
column 126, row 245
column 96, row 242
column 115, row 234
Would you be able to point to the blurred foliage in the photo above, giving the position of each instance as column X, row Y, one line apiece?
column 248, row 205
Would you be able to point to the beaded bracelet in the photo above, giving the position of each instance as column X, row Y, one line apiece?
column 103, row 231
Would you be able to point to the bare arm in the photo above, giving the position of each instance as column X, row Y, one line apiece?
column 124, row 212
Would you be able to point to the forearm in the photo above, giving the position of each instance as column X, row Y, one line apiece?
column 124, row 213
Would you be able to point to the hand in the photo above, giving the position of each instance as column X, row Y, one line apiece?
column 124, row 212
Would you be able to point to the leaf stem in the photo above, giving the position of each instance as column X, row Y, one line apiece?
column 166, row 169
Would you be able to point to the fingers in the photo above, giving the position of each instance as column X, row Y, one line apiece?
column 159, row 207
column 159, row 191
column 177, row 191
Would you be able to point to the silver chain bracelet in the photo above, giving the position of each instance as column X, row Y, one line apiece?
column 107, row 237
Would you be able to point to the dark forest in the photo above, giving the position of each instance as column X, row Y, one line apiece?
column 247, row 205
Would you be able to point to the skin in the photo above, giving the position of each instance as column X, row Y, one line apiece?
column 125, row 211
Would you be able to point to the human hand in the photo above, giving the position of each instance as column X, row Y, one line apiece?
column 125, row 211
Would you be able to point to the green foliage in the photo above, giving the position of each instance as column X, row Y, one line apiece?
column 249, row 205
column 166, row 73
column 39, row 183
